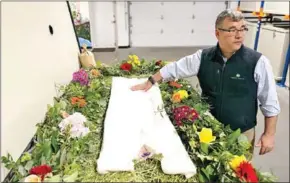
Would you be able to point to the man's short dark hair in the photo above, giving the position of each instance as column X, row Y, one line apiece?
column 229, row 13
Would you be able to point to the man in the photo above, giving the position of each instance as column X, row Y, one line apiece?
column 233, row 78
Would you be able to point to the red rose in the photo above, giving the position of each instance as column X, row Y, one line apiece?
column 126, row 66
column 246, row 172
column 41, row 170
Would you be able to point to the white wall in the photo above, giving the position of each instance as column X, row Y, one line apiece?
column 32, row 62
column 233, row 5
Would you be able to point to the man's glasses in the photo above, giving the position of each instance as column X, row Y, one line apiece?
column 233, row 32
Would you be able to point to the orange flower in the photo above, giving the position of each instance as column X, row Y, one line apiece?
column 74, row 100
column 94, row 72
column 176, row 98
column 174, row 84
column 82, row 102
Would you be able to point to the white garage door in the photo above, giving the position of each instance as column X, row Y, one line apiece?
column 173, row 23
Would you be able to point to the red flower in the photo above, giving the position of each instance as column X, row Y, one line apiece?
column 159, row 62
column 193, row 115
column 174, row 84
column 245, row 171
column 126, row 66
column 41, row 170
column 184, row 112
column 178, row 123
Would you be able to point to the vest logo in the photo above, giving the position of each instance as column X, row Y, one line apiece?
column 237, row 77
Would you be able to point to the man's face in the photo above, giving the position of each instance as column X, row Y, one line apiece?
column 230, row 34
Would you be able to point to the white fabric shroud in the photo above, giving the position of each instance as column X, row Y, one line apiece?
column 132, row 120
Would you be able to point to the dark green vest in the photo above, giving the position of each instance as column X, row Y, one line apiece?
column 229, row 87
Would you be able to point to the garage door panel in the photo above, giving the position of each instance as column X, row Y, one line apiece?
column 176, row 10
column 174, row 24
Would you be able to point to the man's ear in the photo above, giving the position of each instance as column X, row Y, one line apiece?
column 217, row 33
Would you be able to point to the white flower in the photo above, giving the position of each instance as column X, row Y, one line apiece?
column 76, row 121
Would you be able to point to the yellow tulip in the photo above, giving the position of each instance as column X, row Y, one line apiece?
column 206, row 136
column 236, row 161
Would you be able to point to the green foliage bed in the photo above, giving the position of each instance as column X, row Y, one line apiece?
column 74, row 159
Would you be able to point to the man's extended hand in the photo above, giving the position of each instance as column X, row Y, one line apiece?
column 266, row 143
column 144, row 86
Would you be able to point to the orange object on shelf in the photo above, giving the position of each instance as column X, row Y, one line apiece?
column 287, row 17
column 259, row 13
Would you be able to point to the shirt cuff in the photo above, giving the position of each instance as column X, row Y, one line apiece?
column 165, row 74
column 269, row 111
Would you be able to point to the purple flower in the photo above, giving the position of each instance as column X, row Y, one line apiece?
column 145, row 154
column 81, row 76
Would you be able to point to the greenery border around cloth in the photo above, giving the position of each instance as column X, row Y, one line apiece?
column 60, row 154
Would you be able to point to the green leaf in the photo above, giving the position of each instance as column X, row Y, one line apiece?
column 22, row 170
column 205, row 173
column 210, row 171
column 71, row 178
column 102, row 102
column 204, row 147
column 29, row 165
column 192, row 143
column 62, row 157
column 233, row 136
column 55, row 178
column 42, row 160
column 54, row 141
column 98, row 64
column 26, row 157
column 203, row 177
column 242, row 138
column 203, row 157
column 62, row 104
column 47, row 151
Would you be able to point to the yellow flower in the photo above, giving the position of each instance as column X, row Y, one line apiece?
column 183, row 94
column 236, row 161
column 32, row 178
column 134, row 60
column 206, row 136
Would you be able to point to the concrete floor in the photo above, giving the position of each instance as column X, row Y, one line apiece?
column 276, row 161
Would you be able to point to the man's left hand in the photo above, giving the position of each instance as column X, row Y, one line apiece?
column 266, row 143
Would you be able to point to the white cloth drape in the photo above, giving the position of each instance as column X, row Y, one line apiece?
column 132, row 120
